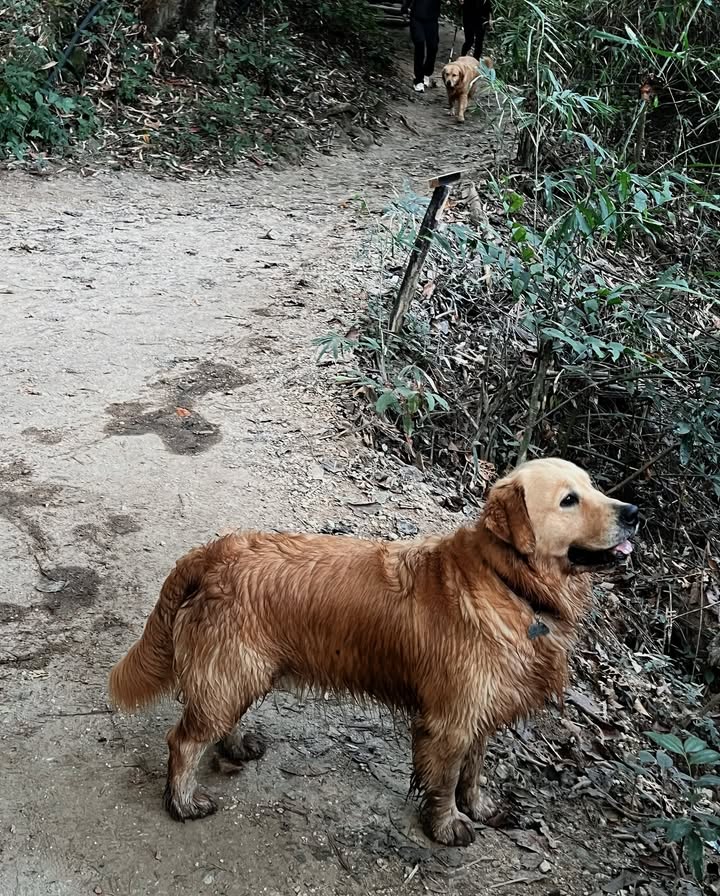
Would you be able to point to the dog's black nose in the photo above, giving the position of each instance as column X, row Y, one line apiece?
column 629, row 514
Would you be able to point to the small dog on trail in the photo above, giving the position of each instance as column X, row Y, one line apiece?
column 464, row 632
column 461, row 79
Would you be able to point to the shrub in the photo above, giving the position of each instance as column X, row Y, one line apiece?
column 160, row 102
column 31, row 110
column 576, row 311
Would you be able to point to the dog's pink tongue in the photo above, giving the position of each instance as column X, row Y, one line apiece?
column 624, row 548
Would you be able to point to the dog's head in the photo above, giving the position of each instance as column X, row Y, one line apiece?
column 452, row 75
column 550, row 510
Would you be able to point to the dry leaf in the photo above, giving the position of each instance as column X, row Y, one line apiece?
column 528, row 840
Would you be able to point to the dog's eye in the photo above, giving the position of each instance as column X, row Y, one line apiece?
column 570, row 500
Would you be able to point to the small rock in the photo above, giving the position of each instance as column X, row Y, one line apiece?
column 544, row 866
column 337, row 527
column 406, row 528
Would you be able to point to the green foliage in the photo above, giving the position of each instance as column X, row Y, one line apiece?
column 166, row 101
column 350, row 26
column 408, row 398
column 30, row 110
column 573, row 308
column 136, row 73
column 645, row 329
column 608, row 51
column 632, row 359
column 697, row 825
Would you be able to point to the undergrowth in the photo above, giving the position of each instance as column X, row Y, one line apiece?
column 570, row 305
column 160, row 103
column 571, row 300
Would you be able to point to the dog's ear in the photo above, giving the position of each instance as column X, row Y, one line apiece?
column 506, row 516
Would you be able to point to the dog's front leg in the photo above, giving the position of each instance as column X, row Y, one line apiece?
column 438, row 753
column 462, row 106
column 469, row 795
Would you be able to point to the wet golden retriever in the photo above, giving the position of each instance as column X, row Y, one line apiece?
column 464, row 632
column 461, row 79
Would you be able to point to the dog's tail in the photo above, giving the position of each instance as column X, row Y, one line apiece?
column 147, row 671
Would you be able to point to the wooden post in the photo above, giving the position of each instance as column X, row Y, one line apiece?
column 442, row 186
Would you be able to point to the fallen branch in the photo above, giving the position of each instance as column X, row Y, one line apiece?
column 641, row 470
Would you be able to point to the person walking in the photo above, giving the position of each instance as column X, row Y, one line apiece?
column 476, row 19
column 425, row 34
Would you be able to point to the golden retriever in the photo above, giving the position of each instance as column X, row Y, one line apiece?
column 460, row 79
column 464, row 632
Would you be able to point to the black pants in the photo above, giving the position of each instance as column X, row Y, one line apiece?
column 476, row 16
column 425, row 34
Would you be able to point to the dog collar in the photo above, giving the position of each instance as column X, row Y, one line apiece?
column 538, row 628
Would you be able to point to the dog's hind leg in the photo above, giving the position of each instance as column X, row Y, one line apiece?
column 437, row 760
column 469, row 795
column 254, row 675
column 237, row 748
column 214, row 702
column 187, row 741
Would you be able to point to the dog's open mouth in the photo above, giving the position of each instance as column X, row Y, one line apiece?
column 579, row 556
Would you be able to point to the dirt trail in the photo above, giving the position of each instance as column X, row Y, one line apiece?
column 125, row 299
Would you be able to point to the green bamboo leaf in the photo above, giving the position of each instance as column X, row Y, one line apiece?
column 708, row 781
column 704, row 757
column 693, row 744
column 387, row 400
column 678, row 829
column 668, row 742
column 695, row 854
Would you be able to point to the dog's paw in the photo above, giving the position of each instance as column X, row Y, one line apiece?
column 476, row 804
column 199, row 805
column 255, row 746
column 453, row 830
column 238, row 749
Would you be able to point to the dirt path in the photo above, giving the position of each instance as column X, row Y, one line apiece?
column 124, row 299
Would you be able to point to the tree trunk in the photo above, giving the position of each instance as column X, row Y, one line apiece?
column 165, row 18
column 200, row 23
column 161, row 17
